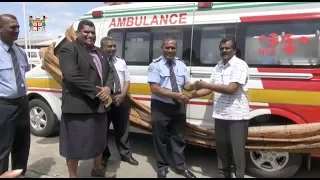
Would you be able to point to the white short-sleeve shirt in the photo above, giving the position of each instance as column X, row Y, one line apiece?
column 231, row 106
column 122, row 70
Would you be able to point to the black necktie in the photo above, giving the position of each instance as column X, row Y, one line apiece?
column 173, row 80
column 117, row 85
column 17, row 71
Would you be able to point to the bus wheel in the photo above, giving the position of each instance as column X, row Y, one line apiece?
column 42, row 119
column 265, row 164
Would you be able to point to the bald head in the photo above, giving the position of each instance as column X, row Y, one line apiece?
column 9, row 28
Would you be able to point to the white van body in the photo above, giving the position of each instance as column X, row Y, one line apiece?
column 34, row 57
column 139, row 29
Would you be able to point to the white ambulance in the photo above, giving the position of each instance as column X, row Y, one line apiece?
column 278, row 40
column 34, row 57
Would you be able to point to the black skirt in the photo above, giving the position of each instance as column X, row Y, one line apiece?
column 83, row 136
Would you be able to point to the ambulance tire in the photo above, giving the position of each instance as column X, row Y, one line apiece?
column 290, row 168
column 51, row 125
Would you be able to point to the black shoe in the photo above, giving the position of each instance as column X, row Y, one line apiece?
column 162, row 173
column 130, row 160
column 187, row 173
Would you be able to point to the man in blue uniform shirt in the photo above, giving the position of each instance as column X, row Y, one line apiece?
column 168, row 76
column 14, row 108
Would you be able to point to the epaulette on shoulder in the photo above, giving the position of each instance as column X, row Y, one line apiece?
column 176, row 58
column 157, row 59
column 119, row 57
column 20, row 47
column 17, row 45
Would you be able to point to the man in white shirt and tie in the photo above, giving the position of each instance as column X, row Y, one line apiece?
column 119, row 112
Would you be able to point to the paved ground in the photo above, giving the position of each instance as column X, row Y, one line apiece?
column 45, row 161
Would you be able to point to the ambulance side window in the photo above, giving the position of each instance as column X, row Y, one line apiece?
column 137, row 47
column 209, row 47
column 206, row 39
column 33, row 55
column 282, row 43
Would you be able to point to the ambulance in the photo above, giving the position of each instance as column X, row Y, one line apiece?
column 278, row 40
column 34, row 57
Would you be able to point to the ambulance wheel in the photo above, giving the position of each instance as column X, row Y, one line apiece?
column 264, row 164
column 42, row 119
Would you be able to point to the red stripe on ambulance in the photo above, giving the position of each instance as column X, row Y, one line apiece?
column 280, row 17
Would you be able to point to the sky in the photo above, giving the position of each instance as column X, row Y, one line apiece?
column 60, row 15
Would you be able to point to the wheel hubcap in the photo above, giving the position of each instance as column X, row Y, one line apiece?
column 38, row 118
column 269, row 161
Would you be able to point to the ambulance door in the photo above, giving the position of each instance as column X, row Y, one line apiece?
column 99, row 30
column 187, row 52
column 207, row 32
column 97, row 27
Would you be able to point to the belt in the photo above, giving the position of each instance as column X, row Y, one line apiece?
column 169, row 104
column 14, row 100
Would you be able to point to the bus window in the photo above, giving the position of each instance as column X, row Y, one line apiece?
column 137, row 47
column 118, row 38
column 160, row 34
column 283, row 43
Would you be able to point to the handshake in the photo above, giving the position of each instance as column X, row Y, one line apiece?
column 199, row 85
column 184, row 98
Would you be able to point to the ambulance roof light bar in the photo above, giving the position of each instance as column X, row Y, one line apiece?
column 96, row 14
column 204, row 5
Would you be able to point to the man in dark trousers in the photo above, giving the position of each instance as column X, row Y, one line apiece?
column 229, row 81
column 168, row 76
column 119, row 112
column 14, row 105
column 87, row 83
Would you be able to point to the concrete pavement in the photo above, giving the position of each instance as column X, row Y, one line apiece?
column 45, row 160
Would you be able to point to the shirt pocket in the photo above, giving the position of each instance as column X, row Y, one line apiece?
column 121, row 72
column 165, row 79
column 218, row 77
column 180, row 77
column 227, row 74
column 23, row 67
column 6, row 71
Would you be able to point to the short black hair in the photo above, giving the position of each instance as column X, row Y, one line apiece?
column 224, row 40
column 82, row 23
column 104, row 40
column 2, row 16
column 168, row 39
